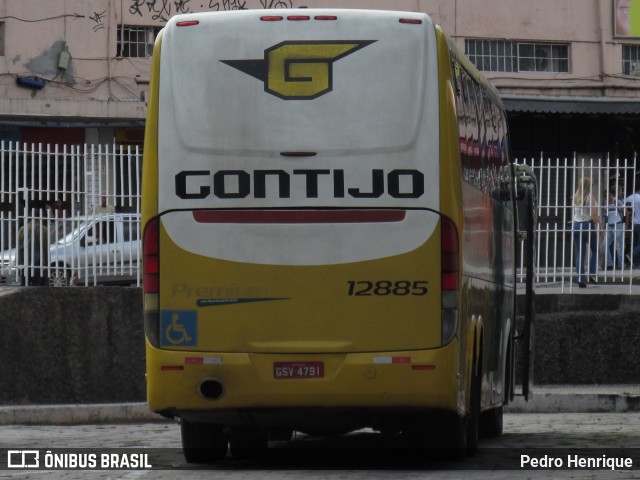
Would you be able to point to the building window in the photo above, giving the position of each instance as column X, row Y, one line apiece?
column 492, row 55
column 631, row 60
column 136, row 42
column 1, row 39
column 506, row 56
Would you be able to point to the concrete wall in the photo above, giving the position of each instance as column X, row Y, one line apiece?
column 71, row 345
column 587, row 339
column 86, row 345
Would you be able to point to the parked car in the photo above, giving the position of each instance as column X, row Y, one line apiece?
column 99, row 249
column 8, row 269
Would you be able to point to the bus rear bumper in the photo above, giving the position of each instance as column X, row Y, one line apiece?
column 350, row 391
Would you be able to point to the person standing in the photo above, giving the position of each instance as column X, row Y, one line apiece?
column 33, row 253
column 585, row 225
column 104, row 207
column 633, row 222
column 615, row 229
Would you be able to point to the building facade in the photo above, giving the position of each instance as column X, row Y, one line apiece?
column 78, row 70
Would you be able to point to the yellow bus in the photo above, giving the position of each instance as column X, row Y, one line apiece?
column 330, row 232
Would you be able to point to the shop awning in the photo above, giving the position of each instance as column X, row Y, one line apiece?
column 588, row 105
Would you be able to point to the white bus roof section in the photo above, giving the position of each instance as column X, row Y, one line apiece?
column 375, row 90
column 347, row 90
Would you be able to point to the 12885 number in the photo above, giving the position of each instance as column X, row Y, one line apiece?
column 383, row 288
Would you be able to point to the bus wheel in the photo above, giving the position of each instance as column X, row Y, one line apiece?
column 248, row 443
column 491, row 423
column 473, row 421
column 203, row 442
column 280, row 434
column 455, row 437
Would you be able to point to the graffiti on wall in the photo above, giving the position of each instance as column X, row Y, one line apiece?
column 98, row 20
column 163, row 10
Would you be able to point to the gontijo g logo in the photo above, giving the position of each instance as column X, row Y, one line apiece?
column 297, row 70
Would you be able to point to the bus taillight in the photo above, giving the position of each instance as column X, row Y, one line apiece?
column 450, row 274
column 450, row 251
column 188, row 23
column 151, row 263
column 151, row 281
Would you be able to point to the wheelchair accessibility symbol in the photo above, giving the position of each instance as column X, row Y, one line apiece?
column 179, row 328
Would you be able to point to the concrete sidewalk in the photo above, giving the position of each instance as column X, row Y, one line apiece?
column 579, row 399
column 546, row 399
column 77, row 414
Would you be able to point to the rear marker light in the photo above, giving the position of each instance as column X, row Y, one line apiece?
column 171, row 368
column 423, row 367
column 188, row 23
column 298, row 18
column 411, row 21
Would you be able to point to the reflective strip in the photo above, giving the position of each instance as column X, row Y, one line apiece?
column 391, row 360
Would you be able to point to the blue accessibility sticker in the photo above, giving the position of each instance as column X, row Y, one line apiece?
column 179, row 328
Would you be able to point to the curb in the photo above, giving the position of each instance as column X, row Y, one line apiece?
column 579, row 399
column 77, row 414
column 618, row 399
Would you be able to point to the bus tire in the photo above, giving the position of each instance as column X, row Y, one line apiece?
column 280, row 434
column 203, row 442
column 473, row 420
column 248, row 443
column 443, row 436
column 455, row 436
column 491, row 422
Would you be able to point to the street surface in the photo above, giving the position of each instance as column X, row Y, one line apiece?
column 361, row 455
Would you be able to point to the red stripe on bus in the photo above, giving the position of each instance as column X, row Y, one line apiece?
column 299, row 216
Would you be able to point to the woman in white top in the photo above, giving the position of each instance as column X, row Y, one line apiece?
column 615, row 228
column 585, row 225
column 633, row 202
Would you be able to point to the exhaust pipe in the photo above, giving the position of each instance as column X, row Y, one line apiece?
column 211, row 389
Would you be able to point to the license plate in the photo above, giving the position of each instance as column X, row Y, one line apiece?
column 284, row 370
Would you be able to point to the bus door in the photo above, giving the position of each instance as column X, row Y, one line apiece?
column 526, row 199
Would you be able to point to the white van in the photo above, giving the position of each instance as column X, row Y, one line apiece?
column 91, row 249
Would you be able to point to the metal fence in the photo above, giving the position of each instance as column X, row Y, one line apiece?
column 69, row 215
column 612, row 182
